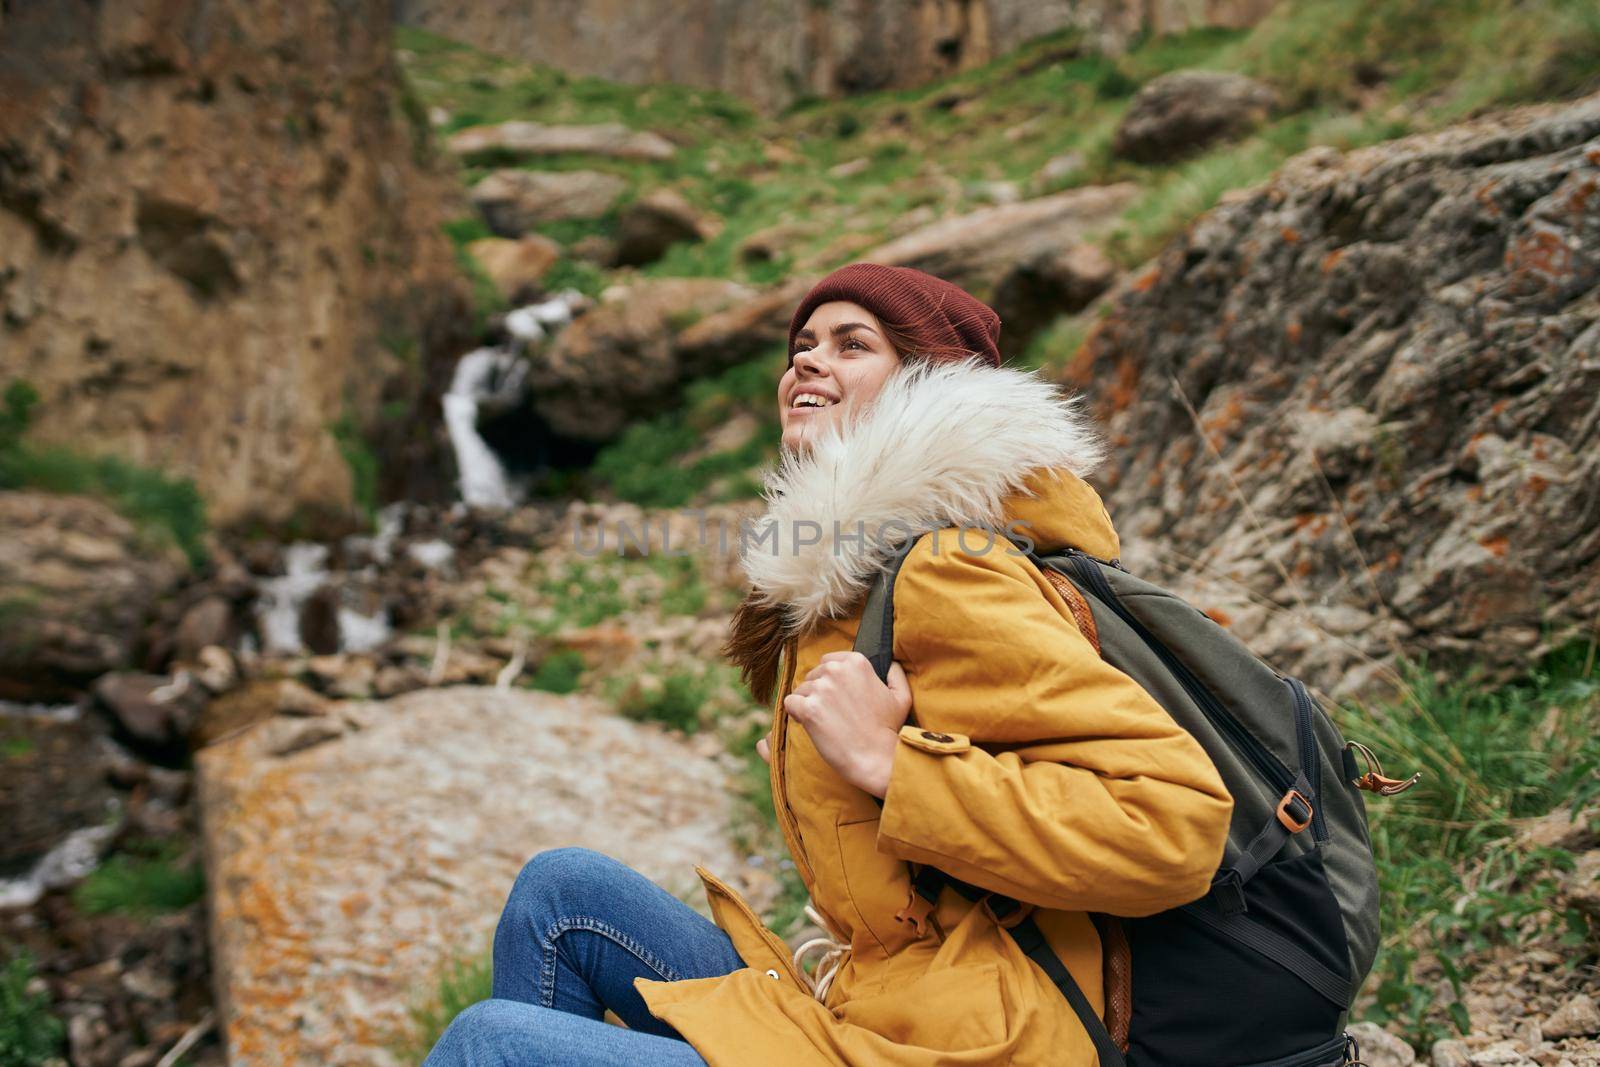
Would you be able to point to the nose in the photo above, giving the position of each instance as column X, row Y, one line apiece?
column 806, row 363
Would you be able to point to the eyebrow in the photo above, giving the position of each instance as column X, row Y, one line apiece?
column 839, row 330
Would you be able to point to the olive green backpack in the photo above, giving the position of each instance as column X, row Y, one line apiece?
column 1262, row 970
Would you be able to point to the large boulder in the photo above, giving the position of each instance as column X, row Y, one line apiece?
column 621, row 361
column 1054, row 282
column 744, row 330
column 610, row 139
column 512, row 201
column 350, row 869
column 516, row 267
column 217, row 245
column 654, row 223
column 1186, row 111
column 77, row 583
column 976, row 250
column 1354, row 410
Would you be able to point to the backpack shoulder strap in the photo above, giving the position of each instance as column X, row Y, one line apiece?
column 875, row 640
column 875, row 634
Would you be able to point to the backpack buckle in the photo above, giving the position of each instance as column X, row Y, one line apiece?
column 1292, row 820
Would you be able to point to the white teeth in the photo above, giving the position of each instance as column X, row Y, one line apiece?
column 811, row 400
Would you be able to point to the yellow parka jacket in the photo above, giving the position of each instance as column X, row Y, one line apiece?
column 1030, row 768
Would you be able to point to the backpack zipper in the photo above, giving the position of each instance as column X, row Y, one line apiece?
column 1310, row 758
column 1239, row 738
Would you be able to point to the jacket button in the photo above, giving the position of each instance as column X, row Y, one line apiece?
column 773, row 974
column 929, row 735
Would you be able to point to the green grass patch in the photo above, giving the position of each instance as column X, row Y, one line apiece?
column 361, row 461
column 168, row 510
column 1456, row 881
column 462, row 983
column 145, row 879
column 486, row 299
column 663, row 462
column 1457, row 55
column 479, row 88
column 17, row 748
column 29, row 1035
column 677, row 699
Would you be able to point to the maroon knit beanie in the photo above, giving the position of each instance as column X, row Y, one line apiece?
column 941, row 316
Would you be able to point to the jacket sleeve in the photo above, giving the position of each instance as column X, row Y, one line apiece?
column 1085, row 795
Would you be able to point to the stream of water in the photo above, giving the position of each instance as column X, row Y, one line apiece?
column 494, row 379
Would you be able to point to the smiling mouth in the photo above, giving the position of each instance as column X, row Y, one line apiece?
column 808, row 401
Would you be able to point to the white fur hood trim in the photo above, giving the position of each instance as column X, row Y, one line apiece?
column 942, row 445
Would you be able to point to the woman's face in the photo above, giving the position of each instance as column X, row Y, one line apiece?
column 841, row 359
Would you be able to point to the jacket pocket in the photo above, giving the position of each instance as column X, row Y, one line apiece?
column 878, row 885
column 952, row 1009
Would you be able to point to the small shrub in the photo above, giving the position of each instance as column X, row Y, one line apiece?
column 145, row 880
column 1114, row 84
column 677, row 699
column 559, row 672
column 29, row 1035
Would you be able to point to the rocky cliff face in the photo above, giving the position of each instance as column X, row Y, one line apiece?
column 1356, row 410
column 773, row 52
column 217, row 244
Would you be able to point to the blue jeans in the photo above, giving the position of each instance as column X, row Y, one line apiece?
column 576, row 930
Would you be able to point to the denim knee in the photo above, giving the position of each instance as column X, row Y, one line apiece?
column 482, row 1035
column 555, row 881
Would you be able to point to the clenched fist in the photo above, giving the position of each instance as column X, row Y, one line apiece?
column 852, row 718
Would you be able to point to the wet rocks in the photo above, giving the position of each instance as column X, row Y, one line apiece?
column 610, row 139
column 1353, row 412
column 77, row 583
column 153, row 713
column 391, row 849
column 1181, row 113
column 512, row 201
column 54, row 782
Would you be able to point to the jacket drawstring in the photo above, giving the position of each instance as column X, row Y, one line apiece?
column 830, row 962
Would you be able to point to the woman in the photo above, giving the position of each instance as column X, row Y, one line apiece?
column 1000, row 750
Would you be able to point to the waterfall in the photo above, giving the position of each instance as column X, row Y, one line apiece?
column 280, row 599
column 479, row 375
column 305, row 568
column 494, row 379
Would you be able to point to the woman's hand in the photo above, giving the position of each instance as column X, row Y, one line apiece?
column 852, row 718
